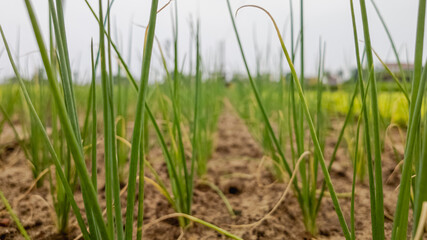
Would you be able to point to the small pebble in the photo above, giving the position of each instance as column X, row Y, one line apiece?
column 4, row 222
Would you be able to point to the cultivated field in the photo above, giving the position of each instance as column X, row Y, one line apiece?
column 193, row 155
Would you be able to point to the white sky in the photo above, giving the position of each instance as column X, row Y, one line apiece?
column 329, row 19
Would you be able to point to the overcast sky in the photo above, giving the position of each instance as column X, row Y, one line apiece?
column 328, row 19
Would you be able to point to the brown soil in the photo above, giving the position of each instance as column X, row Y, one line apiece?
column 235, row 169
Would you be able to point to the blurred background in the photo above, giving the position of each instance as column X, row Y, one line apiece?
column 326, row 19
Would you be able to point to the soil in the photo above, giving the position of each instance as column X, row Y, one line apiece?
column 235, row 168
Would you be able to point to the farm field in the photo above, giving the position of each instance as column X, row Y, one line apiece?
column 235, row 168
column 199, row 155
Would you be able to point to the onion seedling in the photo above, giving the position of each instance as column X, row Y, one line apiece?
column 14, row 217
column 307, row 115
